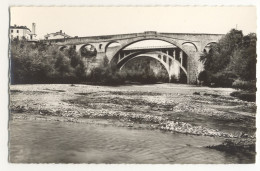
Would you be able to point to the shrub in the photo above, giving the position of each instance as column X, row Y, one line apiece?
column 183, row 77
column 203, row 77
column 143, row 70
column 244, row 85
column 106, row 76
column 223, row 79
column 174, row 79
column 244, row 95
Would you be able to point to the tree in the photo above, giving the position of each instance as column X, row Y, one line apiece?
column 105, row 61
column 39, row 63
column 73, row 56
column 233, row 57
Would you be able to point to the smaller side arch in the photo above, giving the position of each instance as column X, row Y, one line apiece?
column 207, row 47
column 109, row 43
column 191, row 43
column 61, row 48
column 89, row 52
column 210, row 43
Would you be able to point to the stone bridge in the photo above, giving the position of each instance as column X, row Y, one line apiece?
column 182, row 56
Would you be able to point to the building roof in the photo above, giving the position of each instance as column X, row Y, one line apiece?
column 57, row 33
column 19, row 27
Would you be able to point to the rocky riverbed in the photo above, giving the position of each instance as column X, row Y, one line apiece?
column 184, row 109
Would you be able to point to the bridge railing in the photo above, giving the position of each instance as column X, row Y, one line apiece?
column 151, row 47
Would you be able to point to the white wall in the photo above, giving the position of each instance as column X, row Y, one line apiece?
column 20, row 34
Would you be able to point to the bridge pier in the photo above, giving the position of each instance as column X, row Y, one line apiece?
column 194, row 67
column 174, row 71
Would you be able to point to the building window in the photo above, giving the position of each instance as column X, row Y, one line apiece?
column 17, row 31
column 12, row 31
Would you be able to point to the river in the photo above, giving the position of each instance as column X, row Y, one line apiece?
column 63, row 142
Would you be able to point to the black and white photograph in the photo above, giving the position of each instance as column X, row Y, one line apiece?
column 132, row 85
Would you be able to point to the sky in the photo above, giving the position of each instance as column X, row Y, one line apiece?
column 93, row 21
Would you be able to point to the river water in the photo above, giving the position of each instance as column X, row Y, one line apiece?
column 62, row 142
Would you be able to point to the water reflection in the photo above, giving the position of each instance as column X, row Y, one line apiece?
column 59, row 142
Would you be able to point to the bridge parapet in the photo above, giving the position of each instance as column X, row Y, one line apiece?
column 108, row 38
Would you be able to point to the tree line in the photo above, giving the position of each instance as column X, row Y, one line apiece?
column 38, row 63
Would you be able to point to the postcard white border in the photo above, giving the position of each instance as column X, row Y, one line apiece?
column 4, row 14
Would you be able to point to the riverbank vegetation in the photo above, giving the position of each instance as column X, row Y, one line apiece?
column 231, row 62
column 37, row 63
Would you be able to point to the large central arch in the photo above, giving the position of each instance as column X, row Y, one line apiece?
column 152, row 54
column 169, row 66
column 127, row 42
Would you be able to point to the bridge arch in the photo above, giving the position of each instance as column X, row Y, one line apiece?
column 210, row 43
column 137, row 54
column 207, row 47
column 125, row 43
column 154, row 55
column 61, row 48
column 109, row 43
column 192, row 44
column 88, row 50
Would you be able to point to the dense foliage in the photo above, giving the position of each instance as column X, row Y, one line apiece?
column 39, row 63
column 231, row 61
column 137, row 70
column 145, row 70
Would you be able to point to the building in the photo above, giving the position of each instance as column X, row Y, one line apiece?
column 56, row 35
column 22, row 32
